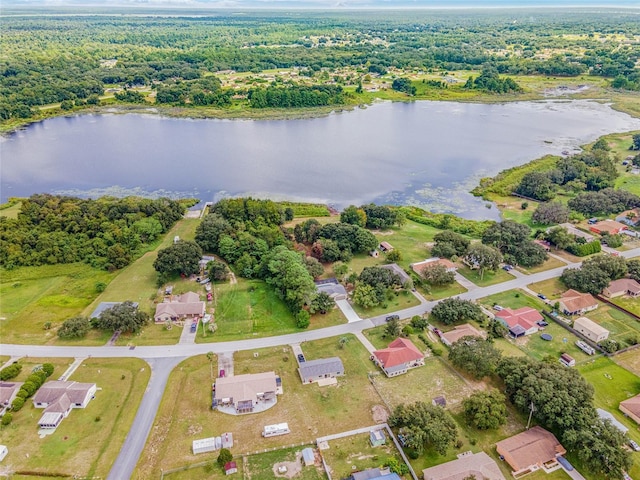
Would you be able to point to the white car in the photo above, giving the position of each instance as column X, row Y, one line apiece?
column 634, row 446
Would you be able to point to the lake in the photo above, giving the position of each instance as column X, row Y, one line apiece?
column 428, row 154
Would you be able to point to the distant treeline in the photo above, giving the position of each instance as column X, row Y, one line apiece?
column 105, row 233
column 296, row 96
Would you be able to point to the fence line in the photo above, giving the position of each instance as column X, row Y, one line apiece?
column 617, row 307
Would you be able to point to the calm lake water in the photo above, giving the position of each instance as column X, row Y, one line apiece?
column 428, row 154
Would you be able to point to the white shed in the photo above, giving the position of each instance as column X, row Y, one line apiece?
column 3, row 452
column 590, row 329
column 204, row 445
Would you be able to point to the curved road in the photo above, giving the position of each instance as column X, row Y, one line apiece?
column 163, row 359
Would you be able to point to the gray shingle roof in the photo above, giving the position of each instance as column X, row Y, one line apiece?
column 322, row 366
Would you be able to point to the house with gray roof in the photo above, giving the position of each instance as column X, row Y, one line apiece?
column 332, row 287
column 315, row 370
column 397, row 269
column 59, row 397
column 102, row 306
column 8, row 392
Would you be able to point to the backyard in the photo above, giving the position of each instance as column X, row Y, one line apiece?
column 87, row 442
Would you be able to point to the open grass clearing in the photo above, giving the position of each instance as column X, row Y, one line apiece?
column 552, row 288
column 11, row 211
column 489, row 278
column 549, row 263
column 629, row 360
column 511, row 209
column 185, row 414
column 33, row 297
column 513, row 299
column 620, row 325
column 442, row 291
column 355, row 453
column 628, row 303
column 251, row 308
column 262, row 466
column 88, row 441
column 401, row 299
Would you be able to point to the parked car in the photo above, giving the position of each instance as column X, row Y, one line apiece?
column 301, row 358
column 498, row 308
column 507, row 268
column 634, row 446
column 542, row 323
column 194, row 327
column 543, row 297
column 565, row 463
column 392, row 317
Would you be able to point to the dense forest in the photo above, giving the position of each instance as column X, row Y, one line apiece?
column 105, row 233
column 78, row 59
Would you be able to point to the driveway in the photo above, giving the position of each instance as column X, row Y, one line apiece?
column 348, row 311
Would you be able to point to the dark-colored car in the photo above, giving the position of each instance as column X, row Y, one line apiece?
column 543, row 297
column 392, row 317
column 301, row 358
column 194, row 327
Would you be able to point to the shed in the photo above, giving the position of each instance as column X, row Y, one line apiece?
column 377, row 438
column 439, row 401
column 230, row 467
column 567, row 360
column 203, row 445
column 3, row 452
column 590, row 329
column 308, row 457
column 385, row 247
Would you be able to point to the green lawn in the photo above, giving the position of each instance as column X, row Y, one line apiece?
column 402, row 299
column 185, row 412
column 88, row 441
column 261, row 467
column 620, row 325
column 251, row 308
column 440, row 292
column 628, row 303
column 549, row 264
column 513, row 299
column 11, row 211
column 489, row 278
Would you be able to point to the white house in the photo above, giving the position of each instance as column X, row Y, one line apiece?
column 59, row 397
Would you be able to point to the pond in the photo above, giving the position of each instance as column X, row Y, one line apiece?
column 428, row 154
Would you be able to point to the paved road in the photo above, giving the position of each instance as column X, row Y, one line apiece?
column 163, row 359
column 130, row 452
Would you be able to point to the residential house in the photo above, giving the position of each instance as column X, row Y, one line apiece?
column 332, row 287
column 610, row 227
column 308, row 457
column 315, row 370
column 631, row 408
column 623, row 286
column 590, row 329
column 374, row 474
column 377, row 438
column 398, row 357
column 604, row 415
column 630, row 217
column 567, row 360
column 8, row 392
column 476, row 465
column 576, row 231
column 459, row 331
column 179, row 308
column 520, row 322
column 385, row 247
column 531, row 450
column 420, row 267
column 102, row 306
column 249, row 393
column 397, row 269
column 573, row 302
column 59, row 397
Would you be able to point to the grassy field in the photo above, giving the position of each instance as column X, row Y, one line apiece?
column 185, row 413
column 629, row 360
column 439, row 292
column 549, row 264
column 402, row 299
column 250, row 308
column 355, row 453
column 489, row 278
column 512, row 299
column 613, row 384
column 35, row 296
column 11, row 211
column 263, row 466
column 99, row 430
column 628, row 303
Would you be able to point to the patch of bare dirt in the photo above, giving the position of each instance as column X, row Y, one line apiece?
column 380, row 414
column 293, row 468
column 194, row 429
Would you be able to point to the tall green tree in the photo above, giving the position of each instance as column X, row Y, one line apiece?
column 485, row 410
column 424, row 425
column 483, row 257
column 474, row 355
column 124, row 317
column 179, row 258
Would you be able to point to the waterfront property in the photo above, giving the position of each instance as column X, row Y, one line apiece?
column 573, row 302
column 531, row 450
column 476, row 465
column 58, row 398
column 179, row 308
column 249, row 393
column 398, row 357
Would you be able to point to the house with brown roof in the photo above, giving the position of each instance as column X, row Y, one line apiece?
column 179, row 308
column 610, row 227
column 385, row 247
column 630, row 217
column 479, row 465
column 520, row 322
column 420, row 267
column 251, row 393
column 398, row 357
column 623, row 286
column 590, row 329
column 59, row 397
column 8, row 392
column 631, row 408
column 459, row 331
column 573, row 302
column 531, row 450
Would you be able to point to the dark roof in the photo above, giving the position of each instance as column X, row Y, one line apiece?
column 106, row 306
column 322, row 366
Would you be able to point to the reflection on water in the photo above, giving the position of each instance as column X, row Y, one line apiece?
column 428, row 154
